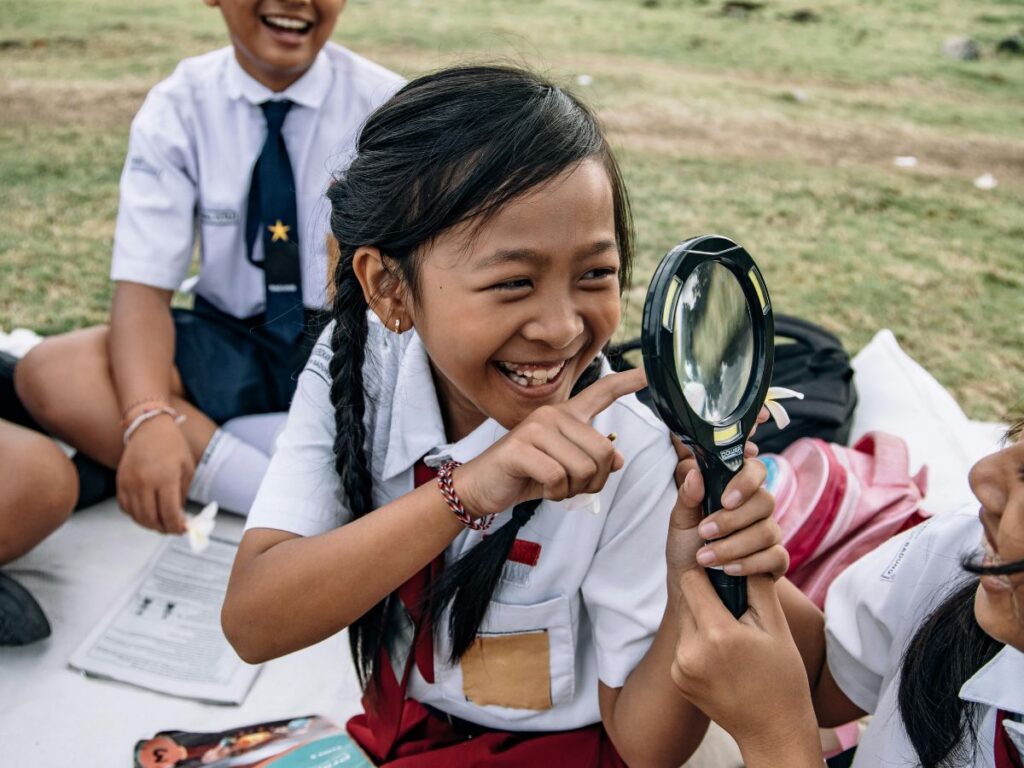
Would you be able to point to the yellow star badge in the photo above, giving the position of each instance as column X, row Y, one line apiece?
column 279, row 231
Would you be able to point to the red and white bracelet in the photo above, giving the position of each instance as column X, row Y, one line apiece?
column 444, row 482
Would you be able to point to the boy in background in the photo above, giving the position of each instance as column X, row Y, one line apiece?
column 232, row 152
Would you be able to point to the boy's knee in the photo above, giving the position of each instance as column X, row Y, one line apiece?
column 42, row 484
column 44, row 376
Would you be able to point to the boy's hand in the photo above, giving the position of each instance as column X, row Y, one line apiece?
column 553, row 454
column 746, row 674
column 154, row 475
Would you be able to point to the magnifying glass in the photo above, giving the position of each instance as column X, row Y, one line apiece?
column 708, row 349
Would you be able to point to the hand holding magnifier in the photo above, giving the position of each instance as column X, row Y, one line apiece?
column 708, row 348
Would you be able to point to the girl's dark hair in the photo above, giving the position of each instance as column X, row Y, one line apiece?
column 448, row 147
column 945, row 652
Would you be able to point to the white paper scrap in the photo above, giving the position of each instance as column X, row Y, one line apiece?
column 200, row 527
column 986, row 181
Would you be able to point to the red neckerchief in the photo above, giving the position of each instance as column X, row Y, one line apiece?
column 1006, row 752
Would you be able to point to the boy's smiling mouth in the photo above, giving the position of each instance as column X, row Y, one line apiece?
column 288, row 24
column 532, row 375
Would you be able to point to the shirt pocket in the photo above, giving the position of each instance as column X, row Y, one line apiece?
column 523, row 660
column 221, row 230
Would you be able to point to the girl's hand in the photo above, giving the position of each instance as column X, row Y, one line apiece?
column 742, row 536
column 154, row 474
column 746, row 674
column 552, row 454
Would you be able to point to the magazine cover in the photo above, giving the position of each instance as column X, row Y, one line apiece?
column 310, row 742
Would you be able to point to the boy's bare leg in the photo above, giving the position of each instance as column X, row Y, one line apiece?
column 40, row 489
column 67, row 384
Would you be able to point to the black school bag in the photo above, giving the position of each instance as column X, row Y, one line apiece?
column 808, row 359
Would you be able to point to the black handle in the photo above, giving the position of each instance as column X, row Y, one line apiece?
column 732, row 589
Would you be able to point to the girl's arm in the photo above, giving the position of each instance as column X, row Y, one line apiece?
column 807, row 624
column 288, row 592
column 649, row 719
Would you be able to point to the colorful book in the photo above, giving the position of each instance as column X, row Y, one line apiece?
column 309, row 742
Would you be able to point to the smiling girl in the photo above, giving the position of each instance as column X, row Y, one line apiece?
column 463, row 483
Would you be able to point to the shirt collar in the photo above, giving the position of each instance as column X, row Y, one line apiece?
column 310, row 90
column 998, row 683
column 417, row 428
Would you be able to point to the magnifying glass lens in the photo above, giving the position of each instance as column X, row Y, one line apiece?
column 713, row 342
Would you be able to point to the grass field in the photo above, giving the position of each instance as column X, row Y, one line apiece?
column 778, row 133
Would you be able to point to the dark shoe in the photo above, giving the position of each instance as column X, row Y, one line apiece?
column 22, row 621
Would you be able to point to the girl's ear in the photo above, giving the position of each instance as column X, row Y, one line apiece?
column 383, row 288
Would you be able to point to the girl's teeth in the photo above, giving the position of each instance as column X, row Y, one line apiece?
column 530, row 378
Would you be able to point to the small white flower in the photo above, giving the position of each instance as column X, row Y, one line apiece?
column 777, row 412
column 199, row 527
column 905, row 161
column 584, row 80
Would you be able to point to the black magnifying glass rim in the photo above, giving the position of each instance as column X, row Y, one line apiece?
column 658, row 347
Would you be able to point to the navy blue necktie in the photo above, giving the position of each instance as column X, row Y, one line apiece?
column 272, row 212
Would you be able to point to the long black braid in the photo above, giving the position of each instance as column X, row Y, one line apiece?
column 348, row 345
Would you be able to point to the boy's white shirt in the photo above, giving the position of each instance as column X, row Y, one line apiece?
column 874, row 609
column 191, row 151
column 599, row 585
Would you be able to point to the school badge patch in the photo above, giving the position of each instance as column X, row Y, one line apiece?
column 521, row 561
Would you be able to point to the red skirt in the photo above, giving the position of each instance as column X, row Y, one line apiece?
column 428, row 739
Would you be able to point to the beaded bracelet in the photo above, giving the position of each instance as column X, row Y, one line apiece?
column 145, row 416
column 444, row 482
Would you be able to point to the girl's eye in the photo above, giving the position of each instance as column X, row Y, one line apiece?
column 600, row 273
column 512, row 285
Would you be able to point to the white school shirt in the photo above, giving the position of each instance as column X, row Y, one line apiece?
column 599, row 585
column 191, row 153
column 874, row 609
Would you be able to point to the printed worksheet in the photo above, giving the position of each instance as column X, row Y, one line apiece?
column 165, row 633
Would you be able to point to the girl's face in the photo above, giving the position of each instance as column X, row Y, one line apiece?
column 998, row 483
column 512, row 310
